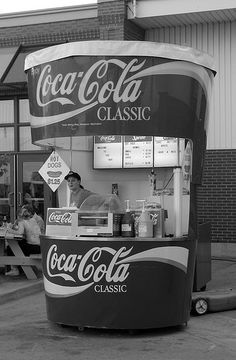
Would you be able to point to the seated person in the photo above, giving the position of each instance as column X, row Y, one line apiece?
column 37, row 217
column 27, row 226
column 28, row 201
column 40, row 222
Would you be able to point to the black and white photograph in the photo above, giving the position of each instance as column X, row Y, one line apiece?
column 118, row 180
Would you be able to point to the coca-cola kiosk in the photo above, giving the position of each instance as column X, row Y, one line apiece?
column 92, row 276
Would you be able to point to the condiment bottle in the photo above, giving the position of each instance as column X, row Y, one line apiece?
column 127, row 223
column 4, row 221
column 145, row 224
column 116, row 224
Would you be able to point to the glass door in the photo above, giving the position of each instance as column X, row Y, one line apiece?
column 7, row 201
column 32, row 189
column 20, row 183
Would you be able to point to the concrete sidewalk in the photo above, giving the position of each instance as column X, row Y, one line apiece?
column 13, row 288
column 223, row 274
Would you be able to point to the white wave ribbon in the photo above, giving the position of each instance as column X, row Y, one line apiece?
column 39, row 121
column 55, row 290
column 173, row 255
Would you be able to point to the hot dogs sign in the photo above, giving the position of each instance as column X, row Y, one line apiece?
column 54, row 170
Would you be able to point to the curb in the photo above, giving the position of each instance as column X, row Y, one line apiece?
column 22, row 292
column 223, row 250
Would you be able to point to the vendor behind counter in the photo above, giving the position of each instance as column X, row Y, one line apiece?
column 78, row 193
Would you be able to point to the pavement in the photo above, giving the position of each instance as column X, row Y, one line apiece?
column 13, row 288
column 223, row 279
column 223, row 274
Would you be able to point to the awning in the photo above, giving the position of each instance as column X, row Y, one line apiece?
column 12, row 61
column 6, row 57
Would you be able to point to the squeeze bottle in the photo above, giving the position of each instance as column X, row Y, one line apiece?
column 145, row 224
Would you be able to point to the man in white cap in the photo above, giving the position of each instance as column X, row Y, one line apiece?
column 78, row 193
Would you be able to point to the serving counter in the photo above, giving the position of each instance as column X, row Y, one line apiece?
column 118, row 283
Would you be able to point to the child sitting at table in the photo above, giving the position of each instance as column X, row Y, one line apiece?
column 27, row 226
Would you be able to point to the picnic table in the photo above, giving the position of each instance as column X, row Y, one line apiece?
column 27, row 263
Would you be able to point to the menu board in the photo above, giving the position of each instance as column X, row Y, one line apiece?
column 107, row 152
column 116, row 152
column 138, row 151
column 168, row 151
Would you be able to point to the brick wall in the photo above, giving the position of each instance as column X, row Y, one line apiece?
column 216, row 197
column 86, row 29
column 113, row 24
column 111, row 15
column 133, row 32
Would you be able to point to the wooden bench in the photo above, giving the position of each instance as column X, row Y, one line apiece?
column 37, row 259
column 27, row 263
column 36, row 256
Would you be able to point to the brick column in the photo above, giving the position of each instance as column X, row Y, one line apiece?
column 113, row 23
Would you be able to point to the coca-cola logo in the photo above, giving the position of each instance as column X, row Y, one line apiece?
column 60, row 218
column 59, row 87
column 111, row 94
column 85, row 268
column 103, row 264
column 108, row 138
column 83, row 90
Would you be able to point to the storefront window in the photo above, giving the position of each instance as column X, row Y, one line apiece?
column 6, row 111
column 24, row 131
column 6, row 139
column 24, row 114
column 25, row 139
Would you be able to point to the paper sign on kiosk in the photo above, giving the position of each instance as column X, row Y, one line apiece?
column 54, row 170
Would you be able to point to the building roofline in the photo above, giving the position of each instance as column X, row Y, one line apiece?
column 48, row 15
